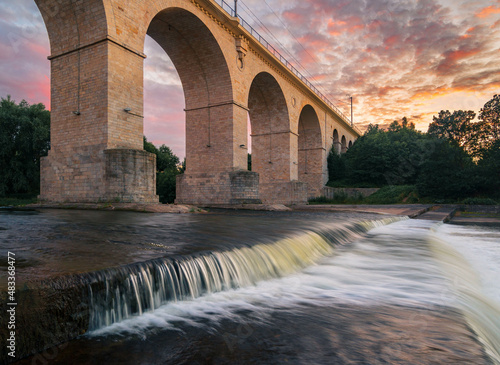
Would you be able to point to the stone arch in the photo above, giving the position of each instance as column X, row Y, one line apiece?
column 336, row 141
column 343, row 144
column 350, row 144
column 72, row 24
column 310, row 150
column 206, row 83
column 271, row 135
column 97, row 74
column 268, row 113
column 96, row 149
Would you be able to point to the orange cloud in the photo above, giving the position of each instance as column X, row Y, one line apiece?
column 490, row 10
column 460, row 54
column 467, row 33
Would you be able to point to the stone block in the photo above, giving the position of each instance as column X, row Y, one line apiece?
column 130, row 176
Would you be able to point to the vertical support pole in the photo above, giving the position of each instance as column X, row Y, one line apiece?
column 352, row 121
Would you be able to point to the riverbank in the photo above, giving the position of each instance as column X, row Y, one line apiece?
column 128, row 207
column 453, row 213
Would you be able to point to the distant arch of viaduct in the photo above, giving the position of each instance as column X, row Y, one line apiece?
column 227, row 76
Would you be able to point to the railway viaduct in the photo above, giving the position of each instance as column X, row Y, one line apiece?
column 228, row 74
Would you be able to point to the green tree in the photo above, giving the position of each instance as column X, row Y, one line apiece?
column 167, row 169
column 398, row 126
column 182, row 168
column 487, row 130
column 382, row 157
column 447, row 173
column 490, row 114
column 336, row 166
column 148, row 146
column 24, row 139
column 488, row 171
column 166, row 160
column 455, row 127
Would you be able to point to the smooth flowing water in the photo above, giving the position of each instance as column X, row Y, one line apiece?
column 267, row 288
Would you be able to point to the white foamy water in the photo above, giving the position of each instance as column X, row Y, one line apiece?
column 392, row 265
column 470, row 258
column 411, row 262
column 480, row 247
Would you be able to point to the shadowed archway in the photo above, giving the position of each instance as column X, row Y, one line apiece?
column 311, row 151
column 336, row 141
column 269, row 121
column 205, row 80
column 271, row 135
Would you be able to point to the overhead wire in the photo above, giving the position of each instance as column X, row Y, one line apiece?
column 313, row 58
column 250, row 13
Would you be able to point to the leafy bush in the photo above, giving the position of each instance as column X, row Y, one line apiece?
column 339, row 198
column 18, row 200
column 447, row 173
column 393, row 194
column 336, row 166
column 165, row 186
column 380, row 157
column 24, row 139
column 167, row 168
column 479, row 201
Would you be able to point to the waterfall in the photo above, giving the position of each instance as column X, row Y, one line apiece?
column 119, row 293
column 481, row 312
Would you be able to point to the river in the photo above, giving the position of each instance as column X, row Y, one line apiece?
column 265, row 287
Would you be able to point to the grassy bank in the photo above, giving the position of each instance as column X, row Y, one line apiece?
column 17, row 201
column 399, row 194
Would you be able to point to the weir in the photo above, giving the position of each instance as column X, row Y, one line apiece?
column 117, row 294
column 482, row 313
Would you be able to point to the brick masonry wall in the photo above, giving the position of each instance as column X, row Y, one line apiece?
column 235, row 187
column 289, row 193
column 130, row 176
column 97, row 70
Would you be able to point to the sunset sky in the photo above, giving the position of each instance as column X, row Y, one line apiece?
column 396, row 58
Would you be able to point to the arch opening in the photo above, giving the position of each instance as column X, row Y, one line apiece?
column 206, row 83
column 343, row 145
column 310, row 151
column 336, row 141
column 269, row 121
column 164, row 120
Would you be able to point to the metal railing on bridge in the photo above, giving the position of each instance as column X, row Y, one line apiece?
column 229, row 10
